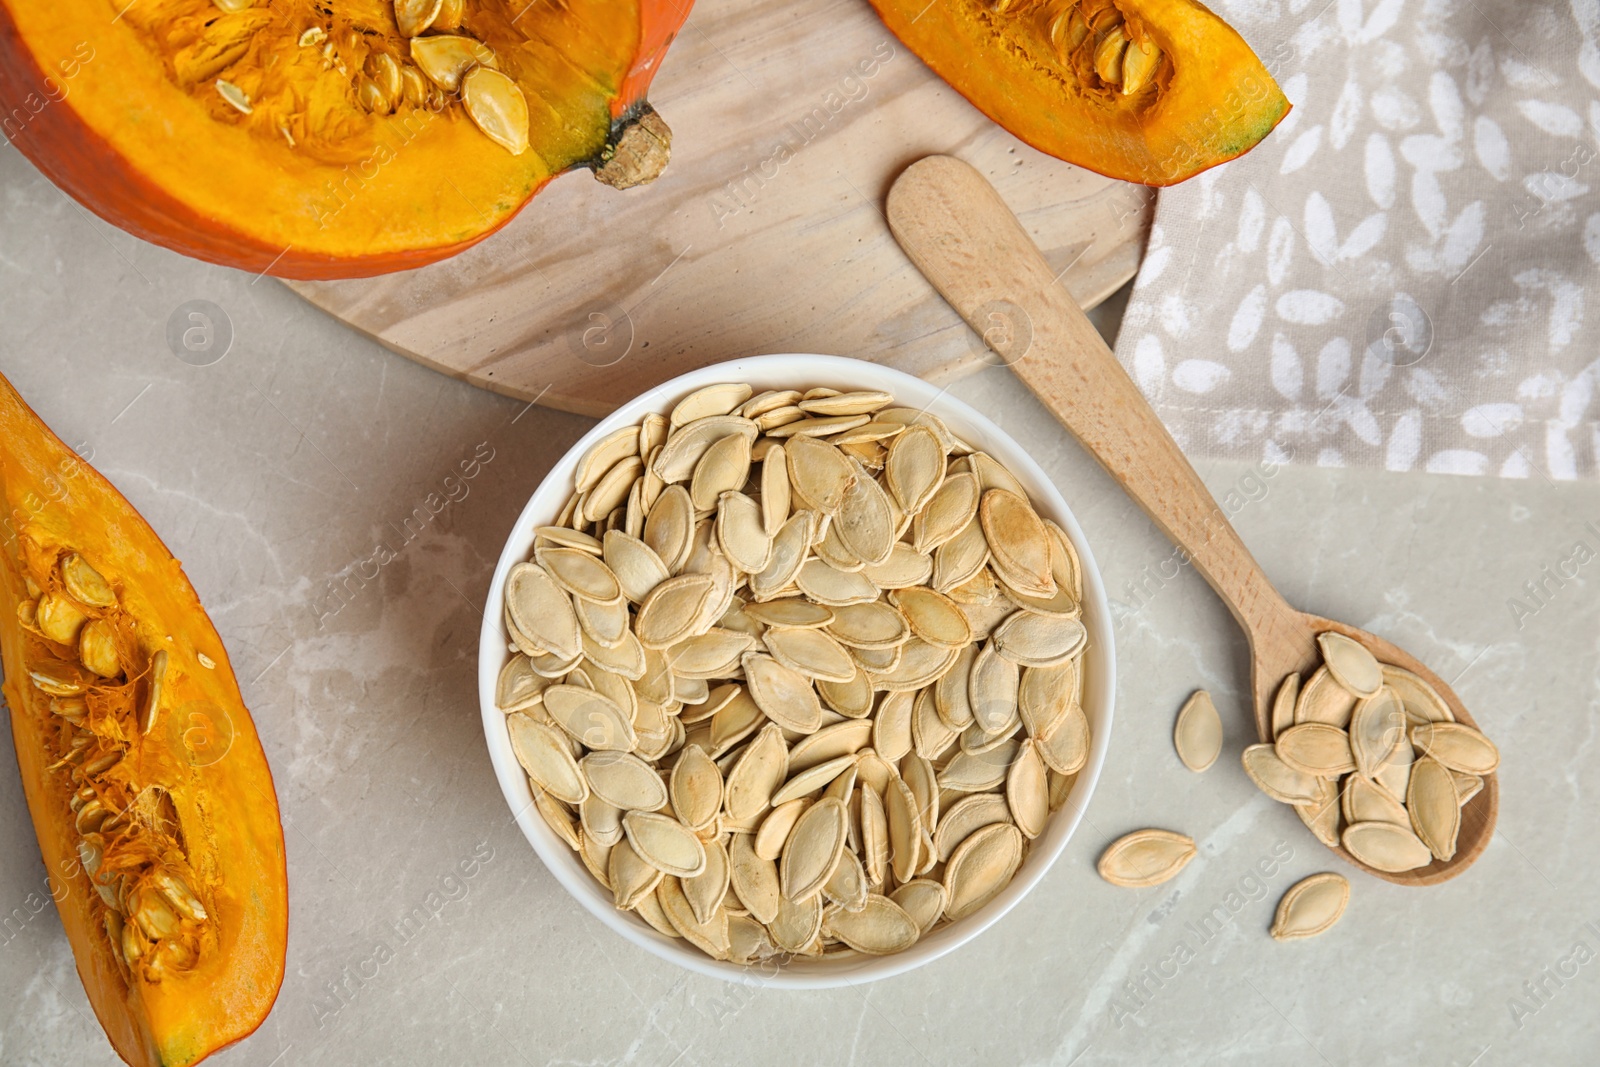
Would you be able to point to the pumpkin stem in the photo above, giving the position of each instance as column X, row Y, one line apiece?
column 638, row 150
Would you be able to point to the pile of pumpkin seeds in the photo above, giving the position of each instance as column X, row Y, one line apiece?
column 1371, row 757
column 796, row 673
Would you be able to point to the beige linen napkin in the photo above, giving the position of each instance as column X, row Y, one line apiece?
column 1404, row 274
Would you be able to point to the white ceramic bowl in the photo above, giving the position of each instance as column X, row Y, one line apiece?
column 783, row 372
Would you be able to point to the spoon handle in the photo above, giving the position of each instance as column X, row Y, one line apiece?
column 964, row 239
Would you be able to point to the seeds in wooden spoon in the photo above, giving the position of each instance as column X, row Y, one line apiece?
column 1310, row 907
column 1197, row 735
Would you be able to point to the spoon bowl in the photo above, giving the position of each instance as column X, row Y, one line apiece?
column 967, row 243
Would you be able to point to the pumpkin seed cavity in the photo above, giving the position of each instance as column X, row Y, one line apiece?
column 102, row 689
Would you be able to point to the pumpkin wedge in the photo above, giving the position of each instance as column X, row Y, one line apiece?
column 150, row 795
column 322, row 140
column 1149, row 91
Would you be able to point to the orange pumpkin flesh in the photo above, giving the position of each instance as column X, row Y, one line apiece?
column 1149, row 91
column 181, row 833
column 125, row 113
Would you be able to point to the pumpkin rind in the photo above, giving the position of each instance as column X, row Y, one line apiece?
column 1204, row 101
column 96, row 104
column 200, row 763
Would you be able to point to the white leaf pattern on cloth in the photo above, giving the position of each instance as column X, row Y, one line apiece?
column 1445, row 149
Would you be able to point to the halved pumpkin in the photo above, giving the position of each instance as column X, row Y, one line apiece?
column 1149, row 91
column 150, row 795
column 319, row 140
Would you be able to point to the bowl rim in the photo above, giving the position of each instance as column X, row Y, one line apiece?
column 1099, row 682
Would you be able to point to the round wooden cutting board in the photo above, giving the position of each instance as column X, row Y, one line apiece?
column 790, row 119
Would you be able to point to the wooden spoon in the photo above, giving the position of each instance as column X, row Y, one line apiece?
column 958, row 231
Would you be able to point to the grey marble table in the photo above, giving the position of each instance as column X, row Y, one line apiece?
column 277, row 469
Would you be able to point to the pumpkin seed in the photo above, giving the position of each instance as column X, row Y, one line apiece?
column 1018, row 541
column 866, row 524
column 556, row 815
column 1036, row 640
column 706, row 891
column 904, row 567
column 624, row 781
column 614, row 488
column 992, row 688
column 891, row 729
column 590, row 718
column 1395, row 775
column 1376, row 728
column 784, row 695
column 1366, row 801
column 446, row 58
column 542, row 610
column 797, row 923
column 546, row 758
column 710, row 938
column 830, row 743
column 775, row 500
column 605, row 454
column 1198, row 732
column 1064, row 746
column 974, row 772
column 1274, row 777
column 905, row 828
column 1283, row 705
column 720, row 399
column 932, row 616
column 1145, row 858
column 97, row 648
column 879, row 928
column 1351, row 665
column 669, row 613
column 960, row 558
column 1324, row 700
column 870, row 626
column 1421, row 702
column 632, row 879
column 923, row 899
column 1310, row 907
column 1321, row 816
column 812, row 779
column 847, row 886
column 828, row 585
column 852, row 699
column 85, row 584
column 753, row 878
column 795, row 613
column 695, row 788
column 1316, row 748
column 665, row 843
column 775, row 828
column 1028, row 791
column 1385, row 846
column 757, row 775
column 789, row 549
column 1434, row 807
column 1457, row 746
column 601, row 821
column 813, row 849
column 980, row 868
column 1467, row 785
